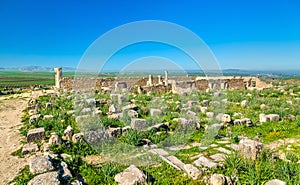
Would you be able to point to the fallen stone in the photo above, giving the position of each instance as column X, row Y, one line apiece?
column 192, row 171
column 215, row 126
column 115, row 116
column 189, row 112
column 250, row 148
column 48, row 105
column 203, row 110
column 244, row 103
column 132, row 114
column 270, row 117
column 68, row 133
column 138, row 124
column 76, row 182
column 34, row 118
column 48, row 117
column 96, row 136
column 175, row 162
column 50, row 178
column 86, row 110
column 112, row 109
column 77, row 137
column 40, row 164
column 186, row 122
column 131, row 106
column 64, row 171
column 205, row 162
column 97, row 112
column 214, row 103
column 210, row 114
column 158, row 127
column 65, row 156
column 217, row 94
column 192, row 103
column 159, row 151
column 275, row 182
column 29, row 148
column 290, row 117
column 155, row 112
column 35, row 134
column 71, row 112
column 118, row 98
column 205, row 102
column 223, row 150
column 218, row 157
column 131, row 176
column 244, row 121
column 91, row 102
column 126, row 128
column 223, row 142
column 219, row 179
column 213, row 145
column 233, row 146
column 263, row 106
column 274, row 117
column 114, row 132
column 54, row 139
column 80, row 119
column 224, row 118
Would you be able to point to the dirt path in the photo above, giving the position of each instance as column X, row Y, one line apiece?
column 10, row 122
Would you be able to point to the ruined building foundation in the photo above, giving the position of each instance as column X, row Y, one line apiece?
column 159, row 84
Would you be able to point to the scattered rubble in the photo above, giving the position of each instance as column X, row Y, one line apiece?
column 131, row 176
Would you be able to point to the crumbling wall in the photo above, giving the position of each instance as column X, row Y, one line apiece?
column 158, row 89
column 236, row 83
column 201, row 85
column 131, row 84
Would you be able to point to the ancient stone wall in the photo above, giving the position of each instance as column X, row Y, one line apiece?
column 237, row 83
column 201, row 84
column 132, row 84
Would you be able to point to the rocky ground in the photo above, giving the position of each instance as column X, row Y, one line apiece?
column 10, row 122
column 52, row 166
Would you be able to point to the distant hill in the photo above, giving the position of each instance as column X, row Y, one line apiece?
column 289, row 73
column 227, row 72
column 36, row 68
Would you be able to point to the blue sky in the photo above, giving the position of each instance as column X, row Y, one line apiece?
column 248, row 34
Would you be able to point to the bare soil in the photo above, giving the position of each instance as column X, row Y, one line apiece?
column 10, row 123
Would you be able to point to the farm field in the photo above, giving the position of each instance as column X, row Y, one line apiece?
column 25, row 78
column 179, row 126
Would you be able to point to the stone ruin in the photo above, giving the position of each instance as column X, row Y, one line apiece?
column 159, row 84
column 58, row 77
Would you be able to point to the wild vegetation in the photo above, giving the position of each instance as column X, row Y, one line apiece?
column 282, row 100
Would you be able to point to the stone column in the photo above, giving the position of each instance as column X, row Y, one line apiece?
column 159, row 79
column 223, row 85
column 210, row 85
column 58, row 77
column 166, row 77
column 150, row 80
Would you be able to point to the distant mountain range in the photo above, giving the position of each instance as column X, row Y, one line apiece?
column 237, row 72
column 35, row 68
column 292, row 73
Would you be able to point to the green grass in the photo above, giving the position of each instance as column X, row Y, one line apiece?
column 260, row 171
column 11, row 78
column 27, row 78
column 24, row 177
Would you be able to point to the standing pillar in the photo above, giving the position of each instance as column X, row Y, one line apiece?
column 150, row 80
column 159, row 79
column 58, row 77
column 166, row 77
column 210, row 85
